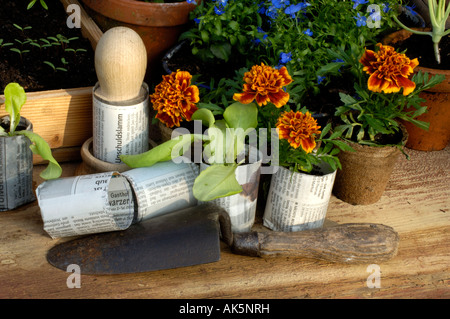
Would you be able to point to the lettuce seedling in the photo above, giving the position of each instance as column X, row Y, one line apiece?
column 15, row 98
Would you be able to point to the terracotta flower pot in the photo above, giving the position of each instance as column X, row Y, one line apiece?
column 365, row 172
column 438, row 110
column 159, row 24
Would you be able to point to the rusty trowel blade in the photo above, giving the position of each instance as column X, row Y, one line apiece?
column 183, row 238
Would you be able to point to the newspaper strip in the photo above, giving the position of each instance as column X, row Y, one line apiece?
column 162, row 188
column 120, row 129
column 297, row 201
column 16, row 170
column 85, row 204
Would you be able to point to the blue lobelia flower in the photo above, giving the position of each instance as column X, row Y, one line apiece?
column 320, row 79
column 220, row 8
column 356, row 3
column 271, row 12
column 191, row 1
column 285, row 57
column 279, row 4
column 360, row 20
column 308, row 32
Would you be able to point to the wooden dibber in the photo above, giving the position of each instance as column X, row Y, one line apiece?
column 120, row 63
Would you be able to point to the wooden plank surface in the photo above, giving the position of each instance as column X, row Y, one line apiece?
column 416, row 204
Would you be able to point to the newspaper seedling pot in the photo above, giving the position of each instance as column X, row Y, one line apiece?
column 437, row 102
column 365, row 172
column 242, row 207
column 298, row 201
column 158, row 24
column 16, row 167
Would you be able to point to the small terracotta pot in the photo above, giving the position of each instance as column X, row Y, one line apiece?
column 365, row 172
column 438, row 110
column 158, row 24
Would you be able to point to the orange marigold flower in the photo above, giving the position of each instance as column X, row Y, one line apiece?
column 175, row 98
column 265, row 84
column 298, row 129
column 389, row 70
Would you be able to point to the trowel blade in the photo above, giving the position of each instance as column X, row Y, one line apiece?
column 183, row 238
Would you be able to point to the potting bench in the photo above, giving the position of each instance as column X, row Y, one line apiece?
column 416, row 204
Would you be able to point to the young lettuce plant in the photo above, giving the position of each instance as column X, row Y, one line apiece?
column 222, row 146
column 15, row 98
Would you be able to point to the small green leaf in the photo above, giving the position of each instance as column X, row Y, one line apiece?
column 15, row 98
column 240, row 115
column 39, row 146
column 204, row 115
column 216, row 181
column 161, row 153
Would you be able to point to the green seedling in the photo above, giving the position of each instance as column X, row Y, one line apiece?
column 4, row 44
column 55, row 68
column 32, row 2
column 20, row 52
column 75, row 51
column 15, row 98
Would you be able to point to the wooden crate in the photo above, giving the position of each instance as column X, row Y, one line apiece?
column 63, row 117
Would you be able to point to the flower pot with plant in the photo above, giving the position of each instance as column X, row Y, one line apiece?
column 369, row 120
column 159, row 23
column 221, row 150
column 424, row 43
column 300, row 189
column 289, row 206
column 17, row 144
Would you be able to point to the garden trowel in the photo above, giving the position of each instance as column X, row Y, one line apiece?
column 192, row 236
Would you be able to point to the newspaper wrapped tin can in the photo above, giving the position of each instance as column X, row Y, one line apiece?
column 298, row 201
column 120, row 129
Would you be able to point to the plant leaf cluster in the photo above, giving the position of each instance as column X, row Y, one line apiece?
column 15, row 98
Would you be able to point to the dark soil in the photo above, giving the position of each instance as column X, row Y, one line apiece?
column 29, row 69
column 421, row 47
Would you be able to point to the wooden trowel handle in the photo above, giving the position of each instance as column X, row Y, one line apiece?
column 346, row 243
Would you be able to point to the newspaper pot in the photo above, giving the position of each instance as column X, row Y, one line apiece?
column 242, row 207
column 298, row 201
column 120, row 128
column 16, row 160
column 158, row 24
column 365, row 172
column 437, row 102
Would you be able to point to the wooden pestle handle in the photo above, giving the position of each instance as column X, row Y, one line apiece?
column 345, row 243
column 120, row 64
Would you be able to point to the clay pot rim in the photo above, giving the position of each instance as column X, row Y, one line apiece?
column 99, row 165
column 143, row 13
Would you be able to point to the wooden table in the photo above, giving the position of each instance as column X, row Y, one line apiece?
column 416, row 204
